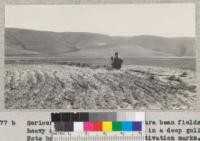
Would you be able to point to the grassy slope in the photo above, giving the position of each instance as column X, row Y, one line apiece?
column 20, row 42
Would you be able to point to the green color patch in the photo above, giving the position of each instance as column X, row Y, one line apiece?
column 117, row 126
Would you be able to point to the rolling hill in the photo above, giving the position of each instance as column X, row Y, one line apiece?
column 32, row 43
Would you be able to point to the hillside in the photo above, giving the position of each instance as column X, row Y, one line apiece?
column 75, row 87
column 23, row 42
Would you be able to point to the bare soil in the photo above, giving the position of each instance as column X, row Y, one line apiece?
column 86, row 87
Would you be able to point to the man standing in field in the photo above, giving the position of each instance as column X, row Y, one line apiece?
column 117, row 61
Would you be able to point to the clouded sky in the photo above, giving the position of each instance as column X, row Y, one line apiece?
column 169, row 20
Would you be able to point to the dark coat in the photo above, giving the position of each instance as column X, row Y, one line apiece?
column 117, row 63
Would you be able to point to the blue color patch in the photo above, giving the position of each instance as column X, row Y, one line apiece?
column 137, row 126
column 127, row 126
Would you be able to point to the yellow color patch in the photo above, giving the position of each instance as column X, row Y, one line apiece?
column 107, row 126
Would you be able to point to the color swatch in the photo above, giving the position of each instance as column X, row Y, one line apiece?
column 117, row 126
column 107, row 126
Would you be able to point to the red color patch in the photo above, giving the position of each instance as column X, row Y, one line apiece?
column 97, row 126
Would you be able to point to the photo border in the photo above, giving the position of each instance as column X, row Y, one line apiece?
column 196, row 105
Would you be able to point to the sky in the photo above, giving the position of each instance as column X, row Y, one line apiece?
column 168, row 20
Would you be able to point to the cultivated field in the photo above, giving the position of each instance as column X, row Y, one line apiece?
column 89, row 87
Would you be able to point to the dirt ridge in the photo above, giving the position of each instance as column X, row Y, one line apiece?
column 73, row 87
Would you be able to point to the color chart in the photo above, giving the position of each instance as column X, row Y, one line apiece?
column 98, row 125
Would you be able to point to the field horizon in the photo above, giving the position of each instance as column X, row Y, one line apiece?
column 73, row 71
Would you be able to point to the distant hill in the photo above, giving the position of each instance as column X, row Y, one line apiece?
column 32, row 43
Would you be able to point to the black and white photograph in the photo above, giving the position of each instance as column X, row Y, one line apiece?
column 103, row 56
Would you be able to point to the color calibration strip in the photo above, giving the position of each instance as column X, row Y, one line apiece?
column 98, row 122
column 106, row 126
